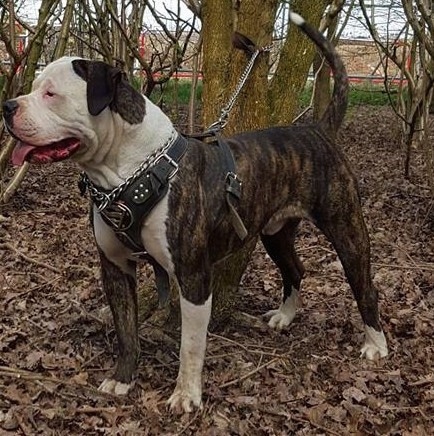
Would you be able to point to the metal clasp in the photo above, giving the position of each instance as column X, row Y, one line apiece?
column 171, row 162
column 104, row 201
column 120, row 216
column 140, row 255
column 233, row 184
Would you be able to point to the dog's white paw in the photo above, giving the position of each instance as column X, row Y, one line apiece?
column 114, row 387
column 375, row 346
column 283, row 316
column 278, row 319
column 184, row 401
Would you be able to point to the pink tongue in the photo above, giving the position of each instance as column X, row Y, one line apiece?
column 20, row 153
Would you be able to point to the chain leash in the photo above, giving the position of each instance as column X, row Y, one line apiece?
column 224, row 114
column 103, row 200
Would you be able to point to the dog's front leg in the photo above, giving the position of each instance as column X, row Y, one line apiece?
column 120, row 289
column 195, row 316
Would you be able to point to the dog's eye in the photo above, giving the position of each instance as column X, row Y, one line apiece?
column 49, row 94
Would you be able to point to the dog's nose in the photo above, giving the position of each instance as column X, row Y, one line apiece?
column 9, row 109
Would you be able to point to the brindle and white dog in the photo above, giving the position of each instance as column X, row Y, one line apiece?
column 87, row 111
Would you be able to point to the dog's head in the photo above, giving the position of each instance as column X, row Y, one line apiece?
column 71, row 103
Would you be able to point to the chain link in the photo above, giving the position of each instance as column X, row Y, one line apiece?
column 224, row 114
column 103, row 200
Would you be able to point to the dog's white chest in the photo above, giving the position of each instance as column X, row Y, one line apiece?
column 154, row 234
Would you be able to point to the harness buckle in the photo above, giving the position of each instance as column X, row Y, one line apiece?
column 171, row 162
column 233, row 184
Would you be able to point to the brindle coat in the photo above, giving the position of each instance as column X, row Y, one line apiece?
column 288, row 173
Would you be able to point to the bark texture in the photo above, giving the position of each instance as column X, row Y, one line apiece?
column 259, row 105
column 221, row 75
column 295, row 59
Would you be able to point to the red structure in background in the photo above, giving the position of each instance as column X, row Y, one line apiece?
column 142, row 49
column 20, row 38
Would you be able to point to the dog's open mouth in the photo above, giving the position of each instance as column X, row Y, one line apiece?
column 44, row 154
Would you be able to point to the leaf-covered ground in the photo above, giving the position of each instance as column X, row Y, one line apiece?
column 55, row 347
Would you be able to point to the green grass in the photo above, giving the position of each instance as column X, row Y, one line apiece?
column 178, row 91
column 366, row 94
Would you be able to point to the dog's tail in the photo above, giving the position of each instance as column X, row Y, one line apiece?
column 334, row 114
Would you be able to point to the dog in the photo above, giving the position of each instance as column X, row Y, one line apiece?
column 130, row 152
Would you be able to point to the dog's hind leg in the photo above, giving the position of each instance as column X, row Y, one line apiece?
column 346, row 230
column 280, row 247
column 120, row 290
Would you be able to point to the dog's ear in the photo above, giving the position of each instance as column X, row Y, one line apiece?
column 108, row 86
column 241, row 42
column 102, row 80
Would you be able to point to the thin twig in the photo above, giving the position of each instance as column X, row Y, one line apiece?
column 423, row 267
column 89, row 361
column 22, row 426
column 198, row 411
column 249, row 374
column 10, row 247
column 34, row 289
column 7, row 371
column 238, row 344
column 320, row 427
column 50, row 211
column 110, row 409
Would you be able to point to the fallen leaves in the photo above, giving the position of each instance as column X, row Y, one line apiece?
column 56, row 345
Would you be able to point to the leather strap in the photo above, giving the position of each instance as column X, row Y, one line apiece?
column 233, row 183
column 232, row 188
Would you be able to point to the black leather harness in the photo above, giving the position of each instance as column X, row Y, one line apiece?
column 233, row 183
column 126, row 213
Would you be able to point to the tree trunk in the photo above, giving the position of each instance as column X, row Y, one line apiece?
column 321, row 85
column 221, row 75
column 217, row 28
column 251, row 111
column 45, row 13
column 257, row 104
column 62, row 42
column 295, row 60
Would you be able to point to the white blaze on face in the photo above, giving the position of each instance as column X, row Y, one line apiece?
column 55, row 109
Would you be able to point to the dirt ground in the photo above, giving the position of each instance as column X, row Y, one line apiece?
column 55, row 348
